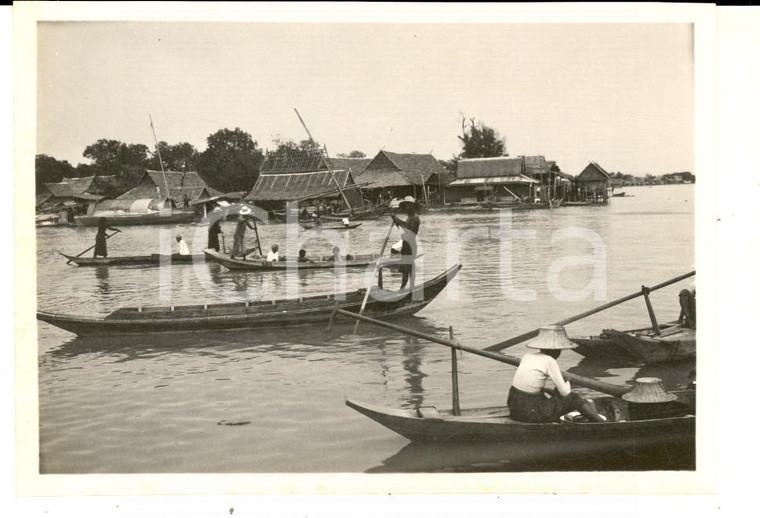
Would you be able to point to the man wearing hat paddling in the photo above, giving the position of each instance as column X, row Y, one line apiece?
column 238, row 243
column 410, row 227
column 527, row 401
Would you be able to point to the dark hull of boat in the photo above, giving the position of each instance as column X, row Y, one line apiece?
column 121, row 220
column 493, row 425
column 137, row 260
column 251, row 315
column 280, row 266
column 676, row 344
column 314, row 226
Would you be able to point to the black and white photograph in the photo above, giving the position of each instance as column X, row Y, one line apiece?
column 351, row 252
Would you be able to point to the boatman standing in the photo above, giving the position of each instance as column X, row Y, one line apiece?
column 101, row 248
column 527, row 401
column 409, row 228
column 238, row 242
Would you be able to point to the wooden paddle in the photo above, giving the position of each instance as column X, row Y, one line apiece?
column 377, row 267
column 93, row 246
column 530, row 334
column 599, row 386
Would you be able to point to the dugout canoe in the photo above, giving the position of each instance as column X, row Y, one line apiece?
column 288, row 264
column 136, row 260
column 674, row 343
column 315, row 226
column 318, row 309
column 673, row 423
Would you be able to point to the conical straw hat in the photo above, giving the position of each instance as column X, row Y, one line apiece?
column 408, row 200
column 648, row 390
column 551, row 337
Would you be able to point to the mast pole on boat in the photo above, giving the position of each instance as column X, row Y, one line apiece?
column 161, row 162
column 327, row 161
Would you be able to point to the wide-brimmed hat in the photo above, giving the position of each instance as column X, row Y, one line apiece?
column 244, row 210
column 648, row 390
column 551, row 337
column 407, row 201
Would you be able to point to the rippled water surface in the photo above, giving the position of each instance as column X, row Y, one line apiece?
column 273, row 401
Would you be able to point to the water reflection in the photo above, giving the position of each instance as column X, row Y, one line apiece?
column 566, row 456
column 103, row 284
column 413, row 353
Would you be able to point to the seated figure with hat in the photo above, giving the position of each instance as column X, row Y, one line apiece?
column 410, row 228
column 527, row 401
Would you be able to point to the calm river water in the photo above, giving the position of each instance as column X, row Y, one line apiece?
column 165, row 404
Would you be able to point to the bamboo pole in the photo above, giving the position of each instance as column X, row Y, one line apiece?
column 454, row 377
column 530, row 334
column 377, row 268
column 599, row 386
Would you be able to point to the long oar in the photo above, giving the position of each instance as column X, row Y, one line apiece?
column 372, row 280
column 93, row 246
column 530, row 334
column 599, row 386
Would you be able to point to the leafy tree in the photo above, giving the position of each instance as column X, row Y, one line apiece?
column 480, row 141
column 231, row 160
column 449, row 165
column 177, row 157
column 111, row 156
column 50, row 170
column 353, row 154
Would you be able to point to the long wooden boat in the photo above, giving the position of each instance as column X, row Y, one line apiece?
column 623, row 430
column 251, row 315
column 290, row 263
column 117, row 219
column 674, row 343
column 314, row 226
column 136, row 260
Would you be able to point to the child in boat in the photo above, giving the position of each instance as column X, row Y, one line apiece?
column 183, row 249
column 336, row 254
column 273, row 254
column 302, row 257
column 527, row 401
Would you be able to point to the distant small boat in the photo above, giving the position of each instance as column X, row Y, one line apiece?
column 285, row 264
column 674, row 343
column 148, row 211
column 47, row 220
column 136, row 260
column 618, row 194
column 317, row 226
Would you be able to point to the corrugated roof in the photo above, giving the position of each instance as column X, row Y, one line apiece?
column 494, row 166
column 298, row 186
column 494, row 180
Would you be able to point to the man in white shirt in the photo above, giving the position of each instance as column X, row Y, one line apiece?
column 183, row 249
column 273, row 255
column 526, row 399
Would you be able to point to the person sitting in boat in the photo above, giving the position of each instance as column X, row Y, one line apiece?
column 273, row 254
column 213, row 235
column 101, row 249
column 183, row 249
column 409, row 228
column 302, row 257
column 527, row 401
column 346, row 222
column 688, row 300
column 335, row 255
column 238, row 241
column 304, row 214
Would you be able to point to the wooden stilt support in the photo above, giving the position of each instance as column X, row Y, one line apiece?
column 454, row 377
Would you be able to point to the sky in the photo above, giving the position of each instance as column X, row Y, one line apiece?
column 621, row 95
